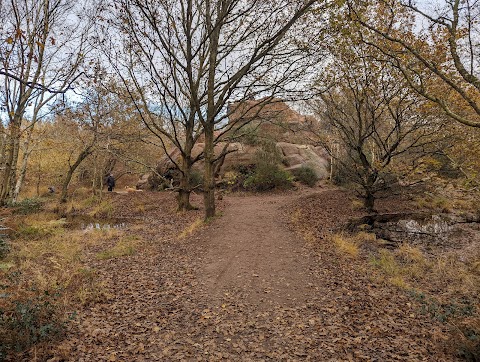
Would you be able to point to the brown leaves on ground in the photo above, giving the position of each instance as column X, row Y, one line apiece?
column 432, row 287
column 183, row 296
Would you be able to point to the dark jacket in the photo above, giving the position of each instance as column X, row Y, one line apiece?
column 110, row 181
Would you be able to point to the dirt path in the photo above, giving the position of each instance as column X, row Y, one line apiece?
column 251, row 250
column 244, row 289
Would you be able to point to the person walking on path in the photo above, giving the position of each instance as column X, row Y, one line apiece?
column 110, row 182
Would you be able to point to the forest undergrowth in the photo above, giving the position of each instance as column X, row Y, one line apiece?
column 55, row 274
column 440, row 275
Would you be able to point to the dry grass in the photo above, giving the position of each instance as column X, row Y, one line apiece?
column 363, row 237
column 89, row 288
column 402, row 267
column 190, row 229
column 399, row 282
column 347, row 246
column 446, row 203
column 386, row 262
column 103, row 209
column 41, row 218
column 5, row 266
column 121, row 249
column 455, row 274
column 411, row 254
column 309, row 236
column 100, row 236
column 446, row 275
column 45, row 274
column 52, row 262
column 296, row 216
column 357, row 205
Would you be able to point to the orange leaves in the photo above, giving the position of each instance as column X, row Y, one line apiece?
column 17, row 35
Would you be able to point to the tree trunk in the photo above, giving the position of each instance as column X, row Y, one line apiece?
column 9, row 171
column 66, row 182
column 71, row 170
column 6, row 170
column 209, row 176
column 209, row 126
column 23, row 168
column 21, row 176
column 39, row 177
column 14, row 173
column 96, row 177
column 369, row 201
column 3, row 145
column 183, row 197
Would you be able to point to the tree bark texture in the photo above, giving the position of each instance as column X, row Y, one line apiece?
column 83, row 155
column 184, row 190
column 209, row 177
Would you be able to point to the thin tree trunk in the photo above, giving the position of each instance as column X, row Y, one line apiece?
column 39, row 178
column 21, row 176
column 8, row 171
column 14, row 173
column 3, row 145
column 95, row 176
column 209, row 126
column 23, row 168
column 83, row 155
column 209, row 176
column 183, row 197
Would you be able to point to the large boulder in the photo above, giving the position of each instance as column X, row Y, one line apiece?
column 237, row 153
column 293, row 157
column 150, row 181
column 271, row 118
column 297, row 156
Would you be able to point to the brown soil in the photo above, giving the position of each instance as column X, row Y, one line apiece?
column 245, row 288
column 251, row 250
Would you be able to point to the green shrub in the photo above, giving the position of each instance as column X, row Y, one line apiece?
column 267, row 177
column 268, row 174
column 4, row 244
column 250, row 135
column 306, row 175
column 196, row 179
column 30, row 321
column 468, row 339
column 30, row 232
column 27, row 206
column 4, row 247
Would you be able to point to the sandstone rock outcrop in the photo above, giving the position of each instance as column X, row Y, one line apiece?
column 275, row 121
column 293, row 157
column 296, row 156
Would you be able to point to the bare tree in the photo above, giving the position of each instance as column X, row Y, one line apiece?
column 84, row 123
column 435, row 46
column 187, row 59
column 375, row 122
column 43, row 44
